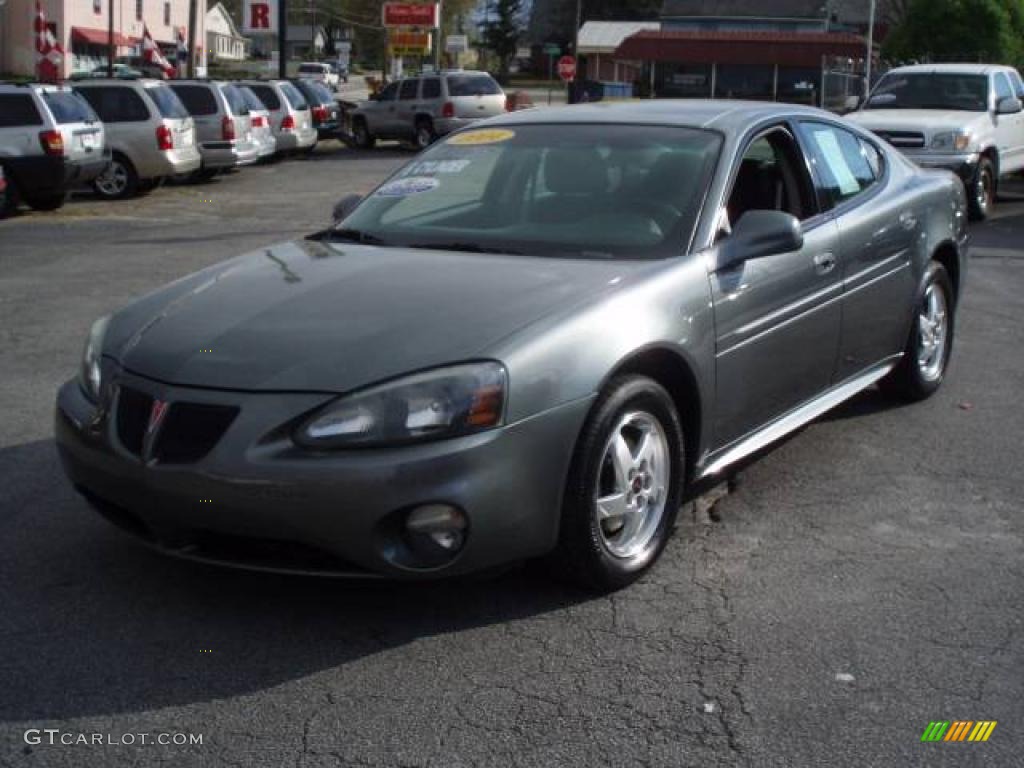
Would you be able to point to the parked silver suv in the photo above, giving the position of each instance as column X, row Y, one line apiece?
column 49, row 139
column 150, row 133
column 290, row 115
column 419, row 109
column 223, row 124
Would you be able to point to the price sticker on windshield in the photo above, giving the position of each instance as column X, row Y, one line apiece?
column 482, row 137
column 412, row 185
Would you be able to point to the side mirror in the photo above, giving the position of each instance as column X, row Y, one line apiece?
column 1009, row 106
column 851, row 103
column 345, row 206
column 758, row 234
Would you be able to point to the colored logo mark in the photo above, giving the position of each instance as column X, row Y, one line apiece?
column 958, row 730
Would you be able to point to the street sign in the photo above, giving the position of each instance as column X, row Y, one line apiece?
column 456, row 43
column 259, row 17
column 551, row 49
column 409, row 14
column 567, row 68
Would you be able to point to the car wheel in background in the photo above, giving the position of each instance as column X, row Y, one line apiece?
column 362, row 136
column 119, row 180
column 425, row 135
column 49, row 201
column 981, row 195
column 926, row 356
column 624, row 486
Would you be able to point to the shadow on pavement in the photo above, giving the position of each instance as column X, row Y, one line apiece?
column 93, row 624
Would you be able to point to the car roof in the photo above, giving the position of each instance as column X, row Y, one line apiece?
column 726, row 116
column 145, row 82
column 951, row 68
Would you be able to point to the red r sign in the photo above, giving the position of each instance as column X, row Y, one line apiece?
column 260, row 18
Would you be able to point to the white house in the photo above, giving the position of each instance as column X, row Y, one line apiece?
column 223, row 40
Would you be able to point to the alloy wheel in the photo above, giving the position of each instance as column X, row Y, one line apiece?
column 632, row 486
column 933, row 330
column 113, row 181
column 984, row 190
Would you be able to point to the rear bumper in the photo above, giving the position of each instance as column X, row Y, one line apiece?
column 291, row 140
column 347, row 507
column 228, row 154
column 45, row 174
column 168, row 163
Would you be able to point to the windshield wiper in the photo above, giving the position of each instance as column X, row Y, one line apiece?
column 355, row 235
column 464, row 247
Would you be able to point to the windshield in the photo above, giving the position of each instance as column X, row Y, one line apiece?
column 574, row 191
column 931, row 90
column 167, row 102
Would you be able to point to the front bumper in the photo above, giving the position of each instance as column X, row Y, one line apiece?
column 342, row 509
column 963, row 164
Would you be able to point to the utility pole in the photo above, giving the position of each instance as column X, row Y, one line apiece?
column 437, row 42
column 111, row 48
column 190, row 68
column 282, row 39
column 871, row 51
column 312, row 30
column 575, row 50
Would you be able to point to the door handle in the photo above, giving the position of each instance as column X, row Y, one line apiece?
column 824, row 262
column 907, row 220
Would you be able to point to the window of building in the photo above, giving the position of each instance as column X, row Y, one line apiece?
column 744, row 81
column 687, row 81
column 167, row 14
column 97, row 6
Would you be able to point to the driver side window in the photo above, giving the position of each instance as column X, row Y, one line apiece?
column 388, row 94
column 772, row 177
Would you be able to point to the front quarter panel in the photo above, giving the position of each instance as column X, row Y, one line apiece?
column 571, row 355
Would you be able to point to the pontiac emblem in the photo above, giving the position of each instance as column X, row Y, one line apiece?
column 156, row 416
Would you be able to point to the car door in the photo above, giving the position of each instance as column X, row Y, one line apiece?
column 381, row 112
column 1014, row 123
column 777, row 318
column 408, row 105
column 1008, row 128
column 878, row 226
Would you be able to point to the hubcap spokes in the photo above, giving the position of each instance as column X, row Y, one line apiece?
column 113, row 180
column 632, row 484
column 933, row 327
column 984, row 191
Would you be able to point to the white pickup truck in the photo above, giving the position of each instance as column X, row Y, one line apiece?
column 964, row 117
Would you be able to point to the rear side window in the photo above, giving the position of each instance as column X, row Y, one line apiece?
column 252, row 101
column 198, row 99
column 267, row 96
column 472, row 85
column 841, row 159
column 431, row 88
column 167, row 103
column 296, row 99
column 408, row 90
column 68, row 107
column 17, row 109
column 235, row 99
column 116, row 105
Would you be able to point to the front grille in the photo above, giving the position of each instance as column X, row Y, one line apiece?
column 133, row 409
column 188, row 433
column 903, row 139
column 191, row 430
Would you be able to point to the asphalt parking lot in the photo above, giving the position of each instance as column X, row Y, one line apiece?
column 862, row 579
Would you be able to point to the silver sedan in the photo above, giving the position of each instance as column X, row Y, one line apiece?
column 535, row 339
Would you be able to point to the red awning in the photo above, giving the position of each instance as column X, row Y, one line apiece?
column 100, row 37
column 792, row 49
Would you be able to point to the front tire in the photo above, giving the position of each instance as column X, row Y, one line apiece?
column 362, row 136
column 981, row 196
column 624, row 486
column 926, row 357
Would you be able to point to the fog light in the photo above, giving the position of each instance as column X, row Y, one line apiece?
column 436, row 532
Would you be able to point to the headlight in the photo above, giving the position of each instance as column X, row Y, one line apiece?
column 444, row 402
column 951, row 141
column 91, row 374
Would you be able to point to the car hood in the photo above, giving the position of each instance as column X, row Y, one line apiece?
column 309, row 316
column 925, row 121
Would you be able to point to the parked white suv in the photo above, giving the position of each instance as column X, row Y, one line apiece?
column 321, row 72
column 967, row 118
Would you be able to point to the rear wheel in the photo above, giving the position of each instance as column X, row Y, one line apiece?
column 981, row 194
column 362, row 136
column 921, row 371
column 118, row 181
column 425, row 135
column 624, row 486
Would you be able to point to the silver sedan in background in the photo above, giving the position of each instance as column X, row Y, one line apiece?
column 535, row 339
